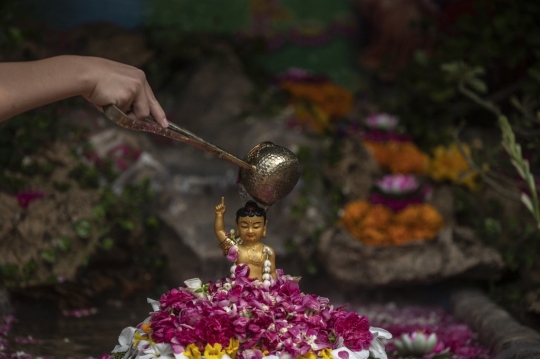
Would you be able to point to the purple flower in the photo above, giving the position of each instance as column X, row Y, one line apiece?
column 394, row 203
column 26, row 197
column 384, row 136
column 232, row 255
column 354, row 330
column 300, row 75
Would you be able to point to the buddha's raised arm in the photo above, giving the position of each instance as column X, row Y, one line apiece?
column 219, row 226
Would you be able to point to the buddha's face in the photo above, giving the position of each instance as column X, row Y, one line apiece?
column 251, row 229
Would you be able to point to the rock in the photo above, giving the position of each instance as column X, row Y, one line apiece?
column 40, row 242
column 455, row 252
column 355, row 171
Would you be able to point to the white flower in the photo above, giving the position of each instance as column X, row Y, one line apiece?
column 416, row 344
column 125, row 339
column 346, row 353
column 380, row 336
column 382, row 120
column 153, row 303
column 194, row 286
column 161, row 350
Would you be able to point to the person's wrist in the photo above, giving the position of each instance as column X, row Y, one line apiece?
column 85, row 73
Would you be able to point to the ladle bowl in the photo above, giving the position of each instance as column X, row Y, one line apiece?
column 277, row 171
column 267, row 174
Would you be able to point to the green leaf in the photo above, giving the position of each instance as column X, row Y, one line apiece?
column 63, row 243
column 83, row 228
column 98, row 212
column 107, row 243
column 127, row 224
column 49, row 255
column 478, row 85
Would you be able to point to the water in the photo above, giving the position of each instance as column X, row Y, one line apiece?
column 61, row 336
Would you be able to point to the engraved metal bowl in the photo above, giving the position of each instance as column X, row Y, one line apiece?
column 277, row 171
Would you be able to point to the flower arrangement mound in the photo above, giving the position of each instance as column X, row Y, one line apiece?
column 395, row 211
column 241, row 318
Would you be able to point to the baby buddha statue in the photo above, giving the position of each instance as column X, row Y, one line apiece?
column 244, row 245
column 258, row 312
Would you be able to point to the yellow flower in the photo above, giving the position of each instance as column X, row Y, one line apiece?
column 138, row 337
column 308, row 355
column 213, row 351
column 448, row 164
column 192, row 352
column 231, row 350
column 326, row 353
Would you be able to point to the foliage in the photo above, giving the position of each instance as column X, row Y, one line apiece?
column 116, row 223
column 426, row 98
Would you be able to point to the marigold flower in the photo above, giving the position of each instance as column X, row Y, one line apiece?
column 398, row 234
column 399, row 157
column 378, row 225
column 334, row 100
column 373, row 236
column 354, row 211
column 431, row 217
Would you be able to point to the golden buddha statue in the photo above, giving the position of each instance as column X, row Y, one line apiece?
column 250, row 230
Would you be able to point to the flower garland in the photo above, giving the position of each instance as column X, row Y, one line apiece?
column 379, row 225
column 399, row 156
column 240, row 318
column 315, row 99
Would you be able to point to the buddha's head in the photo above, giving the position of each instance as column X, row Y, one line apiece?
column 251, row 222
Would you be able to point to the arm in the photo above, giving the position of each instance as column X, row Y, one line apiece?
column 219, row 226
column 26, row 85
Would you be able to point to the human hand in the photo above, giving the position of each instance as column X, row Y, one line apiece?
column 220, row 208
column 124, row 86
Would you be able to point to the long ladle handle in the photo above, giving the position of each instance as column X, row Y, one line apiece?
column 175, row 132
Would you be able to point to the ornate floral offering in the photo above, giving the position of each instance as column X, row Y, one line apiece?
column 257, row 312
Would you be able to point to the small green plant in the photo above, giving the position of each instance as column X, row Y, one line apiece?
column 466, row 76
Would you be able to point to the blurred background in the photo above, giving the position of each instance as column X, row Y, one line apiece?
column 416, row 123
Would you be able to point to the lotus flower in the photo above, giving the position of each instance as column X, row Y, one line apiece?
column 416, row 344
column 398, row 184
column 382, row 121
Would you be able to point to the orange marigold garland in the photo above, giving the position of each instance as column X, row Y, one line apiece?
column 399, row 157
column 334, row 100
column 378, row 225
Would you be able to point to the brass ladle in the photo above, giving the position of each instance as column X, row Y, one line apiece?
column 267, row 173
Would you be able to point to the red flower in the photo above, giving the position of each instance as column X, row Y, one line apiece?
column 354, row 330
